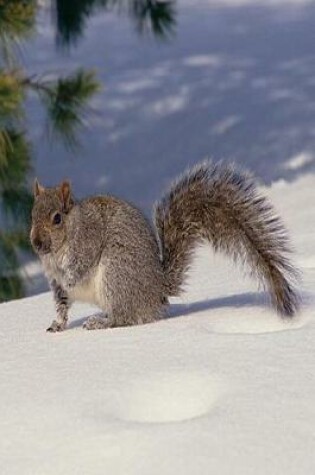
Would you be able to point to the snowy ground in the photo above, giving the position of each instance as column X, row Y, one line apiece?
column 226, row 387
column 235, row 82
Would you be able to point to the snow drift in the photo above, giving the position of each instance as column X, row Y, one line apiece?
column 221, row 386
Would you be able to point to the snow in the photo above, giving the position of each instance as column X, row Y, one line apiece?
column 235, row 82
column 243, row 3
column 223, row 386
column 299, row 160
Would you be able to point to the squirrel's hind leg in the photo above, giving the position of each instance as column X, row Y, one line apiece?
column 98, row 321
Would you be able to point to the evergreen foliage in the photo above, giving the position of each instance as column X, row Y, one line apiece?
column 154, row 16
column 65, row 101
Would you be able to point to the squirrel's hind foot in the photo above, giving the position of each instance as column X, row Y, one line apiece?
column 97, row 322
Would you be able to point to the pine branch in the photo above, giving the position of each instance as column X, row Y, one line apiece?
column 66, row 102
column 154, row 15
column 11, row 282
column 17, row 17
column 11, row 96
column 15, row 156
column 5, row 147
column 11, row 287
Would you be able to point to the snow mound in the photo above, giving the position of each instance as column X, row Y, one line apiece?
column 222, row 386
column 168, row 397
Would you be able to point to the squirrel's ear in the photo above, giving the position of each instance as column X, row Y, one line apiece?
column 37, row 188
column 65, row 194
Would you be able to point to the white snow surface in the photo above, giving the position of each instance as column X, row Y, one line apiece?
column 223, row 386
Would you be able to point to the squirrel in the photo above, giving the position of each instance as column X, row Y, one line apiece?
column 104, row 251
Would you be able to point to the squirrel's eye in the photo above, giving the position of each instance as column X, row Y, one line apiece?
column 56, row 218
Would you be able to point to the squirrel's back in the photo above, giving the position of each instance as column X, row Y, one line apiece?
column 130, row 258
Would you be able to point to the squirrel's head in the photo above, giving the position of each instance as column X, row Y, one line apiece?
column 49, row 215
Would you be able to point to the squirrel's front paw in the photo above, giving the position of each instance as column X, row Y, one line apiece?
column 56, row 327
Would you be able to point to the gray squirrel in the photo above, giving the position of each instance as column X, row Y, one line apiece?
column 103, row 250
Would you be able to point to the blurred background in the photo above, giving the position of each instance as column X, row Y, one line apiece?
column 120, row 96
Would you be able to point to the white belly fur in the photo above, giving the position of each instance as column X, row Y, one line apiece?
column 90, row 290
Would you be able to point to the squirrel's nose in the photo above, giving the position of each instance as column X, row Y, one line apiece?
column 37, row 243
column 41, row 245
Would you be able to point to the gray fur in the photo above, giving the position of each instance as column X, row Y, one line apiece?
column 221, row 205
column 108, row 256
column 62, row 307
column 105, row 252
column 97, row 322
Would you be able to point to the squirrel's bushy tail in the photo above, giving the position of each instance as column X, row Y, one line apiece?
column 220, row 205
